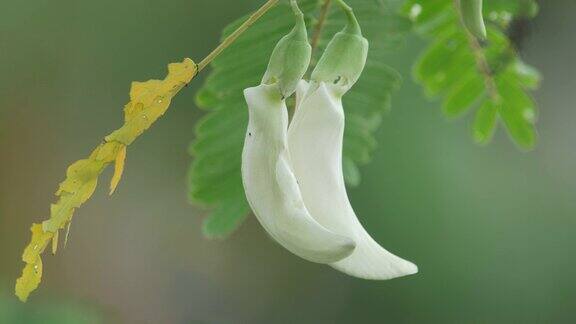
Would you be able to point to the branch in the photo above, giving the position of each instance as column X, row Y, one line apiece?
column 320, row 24
column 232, row 37
column 480, row 58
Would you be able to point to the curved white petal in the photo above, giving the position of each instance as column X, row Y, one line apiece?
column 271, row 187
column 315, row 140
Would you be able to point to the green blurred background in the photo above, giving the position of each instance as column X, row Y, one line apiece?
column 491, row 228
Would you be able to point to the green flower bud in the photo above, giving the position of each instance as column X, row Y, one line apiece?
column 345, row 56
column 291, row 57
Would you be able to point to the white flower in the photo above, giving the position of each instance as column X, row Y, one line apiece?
column 269, row 183
column 315, row 139
column 315, row 142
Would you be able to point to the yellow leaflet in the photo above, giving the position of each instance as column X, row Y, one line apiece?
column 148, row 102
column 118, row 169
column 32, row 273
column 29, row 281
column 80, row 183
column 55, row 242
column 67, row 232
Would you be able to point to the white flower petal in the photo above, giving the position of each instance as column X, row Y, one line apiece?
column 315, row 139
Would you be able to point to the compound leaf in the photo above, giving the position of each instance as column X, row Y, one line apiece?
column 468, row 75
column 148, row 102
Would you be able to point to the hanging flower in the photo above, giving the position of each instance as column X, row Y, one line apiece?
column 315, row 139
column 269, row 182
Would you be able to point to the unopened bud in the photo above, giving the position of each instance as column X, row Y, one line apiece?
column 345, row 56
column 291, row 57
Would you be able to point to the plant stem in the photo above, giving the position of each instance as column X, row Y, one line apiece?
column 320, row 24
column 480, row 58
column 239, row 31
column 484, row 69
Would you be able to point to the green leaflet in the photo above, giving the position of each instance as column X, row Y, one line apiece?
column 468, row 75
column 224, row 219
column 485, row 122
column 214, row 176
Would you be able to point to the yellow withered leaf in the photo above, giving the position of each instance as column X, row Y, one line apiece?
column 148, row 102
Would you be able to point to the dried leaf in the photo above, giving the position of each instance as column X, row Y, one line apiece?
column 148, row 102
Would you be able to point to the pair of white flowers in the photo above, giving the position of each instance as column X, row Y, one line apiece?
column 292, row 172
